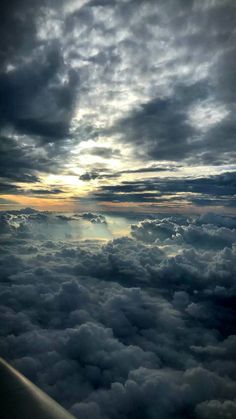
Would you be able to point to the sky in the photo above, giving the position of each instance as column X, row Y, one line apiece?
column 117, row 206
column 118, row 105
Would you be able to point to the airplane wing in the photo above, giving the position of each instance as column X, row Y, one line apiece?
column 21, row 399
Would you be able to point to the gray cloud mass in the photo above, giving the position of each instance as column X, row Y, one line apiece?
column 174, row 62
column 133, row 327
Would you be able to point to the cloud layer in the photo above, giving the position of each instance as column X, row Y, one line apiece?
column 137, row 326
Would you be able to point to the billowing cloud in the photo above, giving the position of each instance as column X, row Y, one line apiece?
column 136, row 324
column 168, row 231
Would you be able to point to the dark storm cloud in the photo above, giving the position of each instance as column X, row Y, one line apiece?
column 8, row 188
column 21, row 163
column 35, row 100
column 219, row 144
column 161, row 127
column 37, row 89
column 17, row 28
column 123, row 329
column 150, row 70
column 161, row 130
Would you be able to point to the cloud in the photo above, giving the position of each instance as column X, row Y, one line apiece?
column 142, row 325
column 104, row 152
column 20, row 163
column 39, row 91
column 161, row 126
column 153, row 392
column 31, row 224
column 122, row 327
column 38, row 102
column 210, row 190
column 162, row 130
column 205, row 236
column 223, row 184
column 216, row 409
column 187, row 82
column 216, row 219
column 151, row 169
column 17, row 29
column 94, row 218
column 89, row 176
column 7, row 188
column 54, row 191
column 146, row 82
column 99, row 174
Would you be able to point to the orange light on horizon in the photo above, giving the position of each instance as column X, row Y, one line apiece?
column 43, row 204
